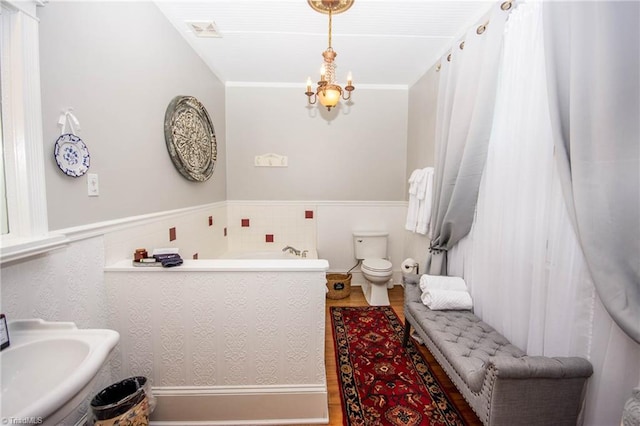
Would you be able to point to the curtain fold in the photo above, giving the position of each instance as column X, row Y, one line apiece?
column 510, row 262
column 522, row 259
column 594, row 91
column 465, row 112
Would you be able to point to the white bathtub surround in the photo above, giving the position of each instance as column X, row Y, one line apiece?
column 193, row 233
column 217, row 336
column 288, row 223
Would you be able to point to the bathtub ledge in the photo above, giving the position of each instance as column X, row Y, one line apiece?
column 228, row 265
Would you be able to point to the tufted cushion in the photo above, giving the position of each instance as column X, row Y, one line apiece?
column 631, row 412
column 465, row 340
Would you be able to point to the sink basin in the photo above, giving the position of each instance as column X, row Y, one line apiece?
column 48, row 365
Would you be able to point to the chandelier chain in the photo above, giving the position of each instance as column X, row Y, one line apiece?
column 329, row 27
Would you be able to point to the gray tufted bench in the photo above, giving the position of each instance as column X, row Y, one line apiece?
column 501, row 383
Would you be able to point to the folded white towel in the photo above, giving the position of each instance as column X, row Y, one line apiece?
column 438, row 300
column 441, row 282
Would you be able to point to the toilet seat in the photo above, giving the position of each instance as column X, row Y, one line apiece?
column 377, row 265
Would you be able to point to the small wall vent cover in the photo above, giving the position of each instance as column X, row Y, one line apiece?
column 204, row 28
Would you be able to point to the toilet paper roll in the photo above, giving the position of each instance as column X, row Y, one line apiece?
column 408, row 266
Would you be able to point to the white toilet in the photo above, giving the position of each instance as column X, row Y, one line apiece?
column 371, row 248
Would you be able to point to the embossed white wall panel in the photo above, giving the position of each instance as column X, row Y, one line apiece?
column 210, row 330
column 63, row 285
column 220, row 328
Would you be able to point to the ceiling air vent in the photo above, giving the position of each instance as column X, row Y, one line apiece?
column 204, row 28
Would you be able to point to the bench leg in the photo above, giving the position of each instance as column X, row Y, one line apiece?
column 407, row 332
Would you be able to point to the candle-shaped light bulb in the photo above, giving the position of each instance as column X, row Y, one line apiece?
column 349, row 79
column 322, row 73
column 308, row 84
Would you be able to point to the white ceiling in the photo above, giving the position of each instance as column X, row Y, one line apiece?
column 281, row 41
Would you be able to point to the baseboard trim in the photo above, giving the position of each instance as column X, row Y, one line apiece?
column 240, row 405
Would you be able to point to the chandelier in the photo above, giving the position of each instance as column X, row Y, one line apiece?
column 328, row 90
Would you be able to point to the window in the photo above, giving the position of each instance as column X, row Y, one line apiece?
column 23, row 157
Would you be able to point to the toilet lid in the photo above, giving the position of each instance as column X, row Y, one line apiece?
column 377, row 264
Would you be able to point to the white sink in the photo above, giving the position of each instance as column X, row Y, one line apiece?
column 48, row 365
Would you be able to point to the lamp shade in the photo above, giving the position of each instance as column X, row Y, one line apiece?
column 329, row 95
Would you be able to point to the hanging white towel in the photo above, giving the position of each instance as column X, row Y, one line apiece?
column 414, row 202
column 425, row 192
column 437, row 299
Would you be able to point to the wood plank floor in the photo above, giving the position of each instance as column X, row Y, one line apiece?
column 396, row 297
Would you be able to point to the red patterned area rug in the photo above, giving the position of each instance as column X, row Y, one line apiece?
column 381, row 382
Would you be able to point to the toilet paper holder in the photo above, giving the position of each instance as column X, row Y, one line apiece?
column 409, row 265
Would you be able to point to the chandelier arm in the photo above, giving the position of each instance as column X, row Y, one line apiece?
column 311, row 95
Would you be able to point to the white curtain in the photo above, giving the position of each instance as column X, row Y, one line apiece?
column 522, row 260
column 593, row 71
column 463, row 126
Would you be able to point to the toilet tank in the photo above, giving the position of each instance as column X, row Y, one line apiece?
column 370, row 245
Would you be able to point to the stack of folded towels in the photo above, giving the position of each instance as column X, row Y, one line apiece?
column 444, row 293
column 168, row 257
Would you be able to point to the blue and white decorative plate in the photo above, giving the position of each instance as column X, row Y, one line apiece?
column 71, row 155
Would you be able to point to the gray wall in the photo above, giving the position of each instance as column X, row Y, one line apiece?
column 421, row 130
column 118, row 65
column 357, row 153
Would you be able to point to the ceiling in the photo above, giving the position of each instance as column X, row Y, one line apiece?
column 280, row 42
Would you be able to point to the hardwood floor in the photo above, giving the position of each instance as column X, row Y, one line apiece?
column 396, row 297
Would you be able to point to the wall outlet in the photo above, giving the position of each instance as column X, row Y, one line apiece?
column 92, row 185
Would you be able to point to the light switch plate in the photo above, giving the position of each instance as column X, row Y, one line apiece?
column 93, row 189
